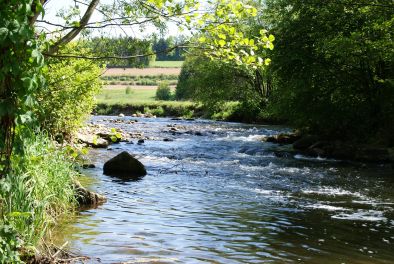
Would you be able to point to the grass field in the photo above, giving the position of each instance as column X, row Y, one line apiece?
column 117, row 95
column 166, row 64
column 143, row 84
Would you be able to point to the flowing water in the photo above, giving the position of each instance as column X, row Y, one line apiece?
column 226, row 197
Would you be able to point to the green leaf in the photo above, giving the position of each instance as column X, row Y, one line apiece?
column 3, row 33
column 19, row 214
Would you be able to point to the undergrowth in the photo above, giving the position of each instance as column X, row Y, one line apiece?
column 33, row 196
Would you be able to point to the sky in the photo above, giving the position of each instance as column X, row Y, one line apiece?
column 54, row 6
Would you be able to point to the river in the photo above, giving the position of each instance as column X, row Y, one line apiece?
column 223, row 196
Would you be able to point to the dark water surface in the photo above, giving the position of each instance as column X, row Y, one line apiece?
column 224, row 197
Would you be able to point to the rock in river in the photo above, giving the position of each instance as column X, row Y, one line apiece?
column 124, row 166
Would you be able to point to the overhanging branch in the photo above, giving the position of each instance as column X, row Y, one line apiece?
column 74, row 32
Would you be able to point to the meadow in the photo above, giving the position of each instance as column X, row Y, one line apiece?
column 133, row 90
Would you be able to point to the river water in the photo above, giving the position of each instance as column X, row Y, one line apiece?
column 226, row 197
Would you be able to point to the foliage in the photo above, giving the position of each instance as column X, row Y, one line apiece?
column 20, row 78
column 161, row 46
column 158, row 108
column 69, row 97
column 129, row 90
column 333, row 67
column 122, row 47
column 9, row 244
column 213, row 82
column 225, row 37
column 37, row 192
column 163, row 92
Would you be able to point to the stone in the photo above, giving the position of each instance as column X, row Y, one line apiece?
column 88, row 166
column 168, row 139
column 86, row 198
column 305, row 142
column 141, row 141
column 124, row 166
column 282, row 138
column 92, row 141
column 121, row 115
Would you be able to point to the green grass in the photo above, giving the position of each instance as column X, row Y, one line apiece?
column 115, row 101
column 34, row 195
column 166, row 64
column 119, row 96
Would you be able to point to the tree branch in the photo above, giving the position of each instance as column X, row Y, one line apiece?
column 33, row 19
column 74, row 32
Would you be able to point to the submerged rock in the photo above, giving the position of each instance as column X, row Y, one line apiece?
column 87, row 198
column 88, row 166
column 282, row 138
column 124, row 166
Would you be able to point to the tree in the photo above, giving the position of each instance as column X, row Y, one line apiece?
column 20, row 77
column 333, row 67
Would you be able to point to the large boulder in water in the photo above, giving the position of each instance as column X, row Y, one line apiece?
column 124, row 166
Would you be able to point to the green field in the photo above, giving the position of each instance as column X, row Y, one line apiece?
column 142, row 100
column 119, row 96
column 166, row 64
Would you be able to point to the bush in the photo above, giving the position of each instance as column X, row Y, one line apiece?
column 159, row 111
column 69, row 97
column 163, row 92
column 129, row 90
column 9, row 244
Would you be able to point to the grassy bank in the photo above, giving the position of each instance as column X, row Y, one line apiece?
column 33, row 197
column 157, row 108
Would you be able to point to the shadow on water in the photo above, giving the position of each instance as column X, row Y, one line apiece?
column 226, row 197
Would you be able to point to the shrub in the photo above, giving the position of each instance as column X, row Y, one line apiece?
column 159, row 111
column 163, row 92
column 129, row 90
column 69, row 97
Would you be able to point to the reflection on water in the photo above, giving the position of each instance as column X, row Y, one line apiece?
column 225, row 197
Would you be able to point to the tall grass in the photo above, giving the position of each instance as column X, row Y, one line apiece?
column 37, row 191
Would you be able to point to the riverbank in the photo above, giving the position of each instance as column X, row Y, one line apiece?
column 185, row 109
column 319, row 147
column 41, row 189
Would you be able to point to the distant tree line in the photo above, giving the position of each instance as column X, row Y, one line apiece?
column 169, row 48
column 122, row 47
